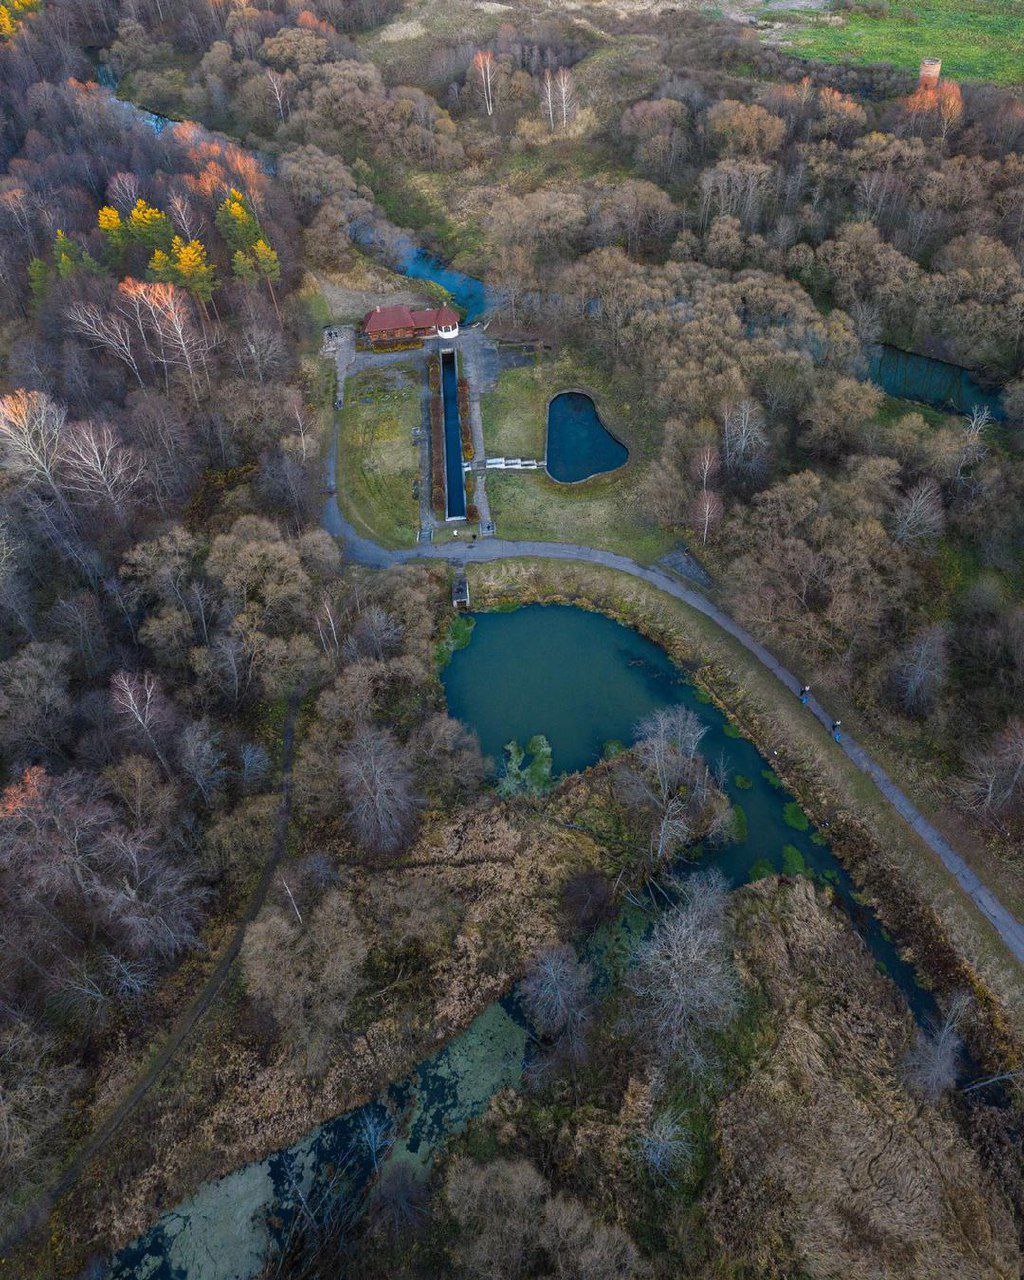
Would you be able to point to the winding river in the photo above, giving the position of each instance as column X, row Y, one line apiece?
column 520, row 674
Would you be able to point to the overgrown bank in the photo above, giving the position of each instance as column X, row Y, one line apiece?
column 947, row 943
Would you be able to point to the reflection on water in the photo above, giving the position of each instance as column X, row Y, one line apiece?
column 581, row 679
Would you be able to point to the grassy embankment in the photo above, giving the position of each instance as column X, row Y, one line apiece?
column 922, row 903
column 607, row 511
column 380, row 463
column 983, row 40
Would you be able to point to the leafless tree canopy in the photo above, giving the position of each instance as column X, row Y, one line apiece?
column 668, row 781
column 92, row 906
column 683, row 983
column 555, row 990
column 377, row 784
column 932, row 1067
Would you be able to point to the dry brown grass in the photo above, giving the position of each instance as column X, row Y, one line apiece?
column 827, row 1166
column 479, row 893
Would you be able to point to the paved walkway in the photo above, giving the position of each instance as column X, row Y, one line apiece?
column 365, row 552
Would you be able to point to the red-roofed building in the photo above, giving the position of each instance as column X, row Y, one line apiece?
column 399, row 324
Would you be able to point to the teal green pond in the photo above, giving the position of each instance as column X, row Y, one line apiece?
column 581, row 679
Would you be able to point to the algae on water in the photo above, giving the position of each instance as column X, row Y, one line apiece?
column 795, row 816
column 527, row 771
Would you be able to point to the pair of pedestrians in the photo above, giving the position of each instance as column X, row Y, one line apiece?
column 837, row 725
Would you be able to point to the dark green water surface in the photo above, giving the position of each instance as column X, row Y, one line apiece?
column 579, row 678
column 582, row 680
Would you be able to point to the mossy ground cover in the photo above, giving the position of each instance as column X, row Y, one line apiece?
column 375, row 486
column 983, row 40
column 606, row 511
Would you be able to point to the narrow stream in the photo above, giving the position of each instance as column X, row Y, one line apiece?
column 466, row 291
column 584, row 681
column 936, row 383
column 906, row 375
column 903, row 374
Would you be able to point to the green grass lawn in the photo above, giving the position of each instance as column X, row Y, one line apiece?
column 978, row 40
column 515, row 411
column 377, row 460
column 596, row 514
column 607, row 511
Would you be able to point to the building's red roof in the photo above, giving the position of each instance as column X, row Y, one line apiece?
column 384, row 319
column 444, row 317
column 388, row 319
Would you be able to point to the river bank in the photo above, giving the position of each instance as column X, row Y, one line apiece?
column 937, row 937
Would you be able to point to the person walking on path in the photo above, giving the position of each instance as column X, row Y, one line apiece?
column 836, row 729
column 805, row 694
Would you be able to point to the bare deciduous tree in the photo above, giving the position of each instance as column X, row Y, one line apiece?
column 99, row 470
column 555, row 990
column 995, row 778
column 107, row 331
column 15, row 595
column 279, row 89
column 484, row 65
column 706, row 513
column 920, row 671
column 744, row 440
column 140, row 703
column 375, row 634
column 565, row 94
column 932, row 1066
column 664, row 1146
column 253, row 766
column 669, row 780
column 683, row 982
column 972, row 447
column 919, row 515
column 32, row 439
column 201, row 758
column 377, row 784
column 547, row 98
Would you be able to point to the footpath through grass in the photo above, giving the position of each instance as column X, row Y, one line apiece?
column 378, row 462
column 977, row 40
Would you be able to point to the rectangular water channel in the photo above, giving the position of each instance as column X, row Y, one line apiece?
column 455, row 481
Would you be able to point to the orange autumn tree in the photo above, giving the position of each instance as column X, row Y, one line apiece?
column 942, row 106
